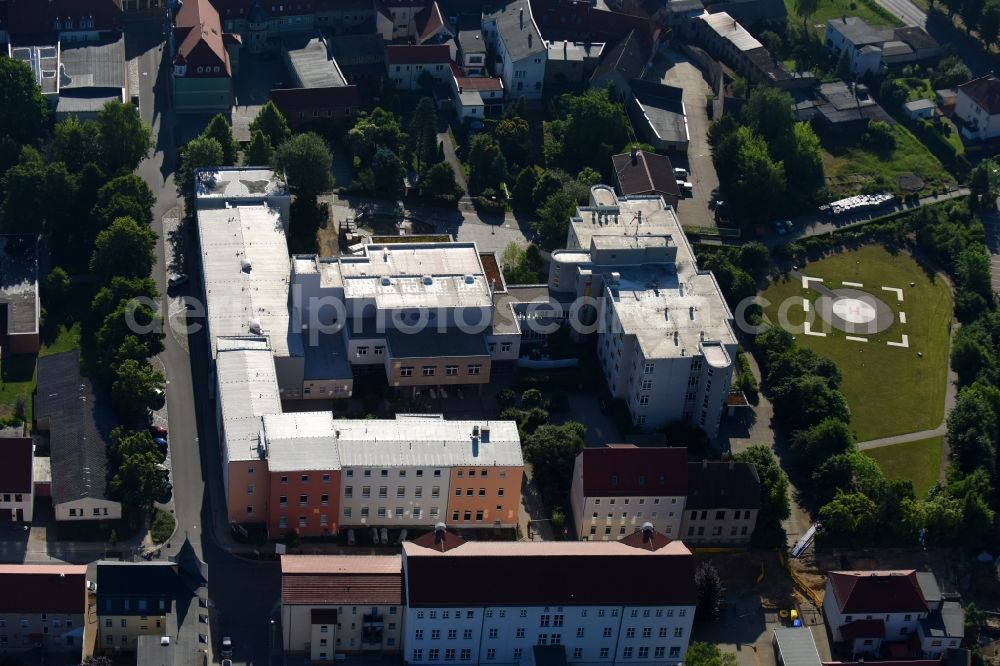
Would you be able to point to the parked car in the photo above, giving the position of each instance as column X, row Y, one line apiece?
column 680, row 174
column 686, row 186
column 157, row 430
column 177, row 279
column 159, row 398
column 168, row 490
column 92, row 586
column 227, row 647
column 135, row 103
column 160, row 442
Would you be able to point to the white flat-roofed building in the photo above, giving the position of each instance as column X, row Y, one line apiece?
column 665, row 337
column 227, row 186
column 246, row 389
column 563, row 596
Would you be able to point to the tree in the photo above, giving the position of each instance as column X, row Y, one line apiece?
column 551, row 450
column 973, row 428
column 524, row 186
column 708, row 583
column 260, row 151
column 704, row 654
column 553, row 219
column 24, row 187
column 594, row 127
column 514, row 137
column 439, row 183
column 125, row 443
column 373, row 130
column 389, row 172
column 989, row 23
column 768, row 112
column 124, row 322
column 975, row 620
column 483, row 150
column 22, row 108
column 804, row 164
column 879, row 137
column 139, row 481
column 747, row 172
column 134, row 387
column 971, row 12
column 950, row 72
column 125, row 139
column 271, row 123
column 851, row 471
column 805, row 401
column 76, row 143
column 201, row 152
column 306, row 161
column 850, row 519
column 774, row 506
column 220, row 130
column 772, row 41
column 124, row 196
column 423, row 132
column 805, row 9
column 57, row 287
column 827, row 438
column 125, row 248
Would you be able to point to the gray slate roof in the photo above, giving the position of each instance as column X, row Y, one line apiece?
column 716, row 485
column 857, row 31
column 80, row 422
column 518, row 31
column 92, row 64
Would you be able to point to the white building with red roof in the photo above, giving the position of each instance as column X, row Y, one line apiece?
column 410, row 65
column 205, row 59
column 978, row 106
column 476, row 97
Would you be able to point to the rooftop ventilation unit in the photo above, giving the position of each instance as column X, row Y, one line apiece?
column 469, row 279
column 255, row 326
column 386, row 282
column 246, row 265
column 427, row 279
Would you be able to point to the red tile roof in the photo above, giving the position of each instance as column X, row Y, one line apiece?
column 422, row 54
column 646, row 540
column 647, row 172
column 621, row 471
column 198, row 33
column 43, row 588
column 563, row 19
column 336, row 579
column 37, row 16
column 549, row 573
column 475, row 82
column 877, row 592
column 428, row 21
column 984, row 91
column 862, row 629
column 439, row 540
column 16, row 460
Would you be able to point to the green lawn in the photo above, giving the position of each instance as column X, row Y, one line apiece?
column 17, row 371
column 849, row 166
column 919, row 462
column 890, row 390
column 916, row 88
column 163, row 526
column 868, row 10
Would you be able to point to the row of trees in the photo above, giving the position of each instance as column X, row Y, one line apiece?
column 981, row 16
column 767, row 163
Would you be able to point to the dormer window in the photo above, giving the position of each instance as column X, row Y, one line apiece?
column 58, row 24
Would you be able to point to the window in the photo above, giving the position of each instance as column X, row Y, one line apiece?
column 543, row 639
column 249, row 489
column 303, row 521
column 432, row 654
column 324, row 500
column 627, row 652
column 679, row 632
column 643, row 400
column 282, row 522
column 283, row 501
column 467, row 634
column 450, row 370
column 348, row 491
column 630, row 632
column 363, row 351
column 475, row 369
column 658, row 652
column 383, row 492
column 452, row 634
column 579, row 632
column 647, row 369
column 400, row 491
column 436, row 491
column 493, row 633
column 449, row 654
column 604, row 653
column 517, row 653
column 381, row 512
column 607, row 632
column 643, row 652
column 418, row 492
column 458, row 492
column 428, row 370
column 407, row 371
column 305, row 478
column 379, row 350
column 435, row 634
column 303, row 500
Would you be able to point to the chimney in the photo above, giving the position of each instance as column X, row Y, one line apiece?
column 635, row 156
column 440, row 530
column 647, row 532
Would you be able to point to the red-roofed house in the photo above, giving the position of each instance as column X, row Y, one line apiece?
column 417, row 20
column 406, row 64
column 17, row 497
column 476, row 97
column 70, row 20
column 205, row 59
column 868, row 608
column 978, row 105
column 618, row 488
column 43, row 604
column 341, row 604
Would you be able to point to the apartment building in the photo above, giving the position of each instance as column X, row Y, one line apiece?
column 43, row 606
column 901, row 608
column 332, row 606
column 521, row 52
column 722, row 503
column 410, row 66
column 134, row 599
column 978, row 107
column 665, row 339
column 556, row 597
column 17, row 478
column 618, row 488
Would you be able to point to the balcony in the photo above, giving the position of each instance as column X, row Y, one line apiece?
column 373, row 620
column 371, row 636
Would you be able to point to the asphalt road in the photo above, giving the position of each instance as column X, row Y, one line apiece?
column 241, row 593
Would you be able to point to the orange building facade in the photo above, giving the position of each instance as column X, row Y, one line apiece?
column 484, row 496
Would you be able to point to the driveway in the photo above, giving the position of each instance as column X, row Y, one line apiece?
column 676, row 70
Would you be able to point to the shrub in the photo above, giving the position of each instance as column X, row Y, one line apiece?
column 531, row 398
column 506, row 398
column 162, row 527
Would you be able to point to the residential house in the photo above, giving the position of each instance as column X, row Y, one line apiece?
column 359, row 57
column 332, row 606
column 557, row 595
column 910, row 44
column 625, row 61
column 618, row 488
column 419, row 21
column 78, row 422
column 572, row 62
column 665, row 340
column 861, row 43
column 722, row 503
column 135, row 599
column 472, row 51
column 583, row 21
column 978, row 107
column 19, row 303
column 410, row 67
column 263, row 25
column 644, row 173
column 43, row 606
column 62, row 21
column 17, row 477
column 476, row 97
column 723, row 37
column 841, row 108
column 657, row 111
column 205, row 59
column 902, row 611
column 520, row 51
column 320, row 91
column 947, row 99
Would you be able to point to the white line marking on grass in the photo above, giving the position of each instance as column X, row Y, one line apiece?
column 851, row 337
column 852, row 284
column 805, row 304
column 807, row 329
column 898, row 292
column 904, row 343
column 902, row 317
column 806, row 279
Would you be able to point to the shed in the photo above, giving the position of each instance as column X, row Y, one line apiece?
column 921, row 108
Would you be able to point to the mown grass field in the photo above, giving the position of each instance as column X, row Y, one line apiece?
column 890, row 390
column 919, row 462
column 868, row 10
